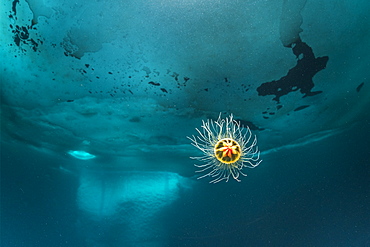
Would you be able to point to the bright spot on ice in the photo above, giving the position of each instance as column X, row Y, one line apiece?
column 81, row 155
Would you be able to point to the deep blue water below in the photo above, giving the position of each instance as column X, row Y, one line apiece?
column 315, row 195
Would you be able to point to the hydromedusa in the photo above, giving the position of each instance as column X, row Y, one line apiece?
column 227, row 146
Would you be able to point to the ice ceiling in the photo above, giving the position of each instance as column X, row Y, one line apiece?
column 127, row 81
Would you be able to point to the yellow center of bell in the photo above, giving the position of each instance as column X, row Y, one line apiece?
column 227, row 151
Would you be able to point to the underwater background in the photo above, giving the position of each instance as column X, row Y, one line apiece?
column 98, row 99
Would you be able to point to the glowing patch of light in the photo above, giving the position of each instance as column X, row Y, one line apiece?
column 135, row 199
column 149, row 191
column 81, row 155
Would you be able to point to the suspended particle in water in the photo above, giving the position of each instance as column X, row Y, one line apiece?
column 227, row 146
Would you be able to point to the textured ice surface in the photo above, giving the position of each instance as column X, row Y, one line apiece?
column 132, row 79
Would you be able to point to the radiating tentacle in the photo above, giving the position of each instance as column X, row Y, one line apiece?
column 235, row 145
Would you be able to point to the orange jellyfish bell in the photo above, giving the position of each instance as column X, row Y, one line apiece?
column 227, row 148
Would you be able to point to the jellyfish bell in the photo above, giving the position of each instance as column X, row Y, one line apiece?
column 227, row 146
column 227, row 151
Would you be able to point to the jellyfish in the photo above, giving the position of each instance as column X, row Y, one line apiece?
column 227, row 146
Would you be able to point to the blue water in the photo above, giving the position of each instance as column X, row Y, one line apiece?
column 98, row 98
column 317, row 195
